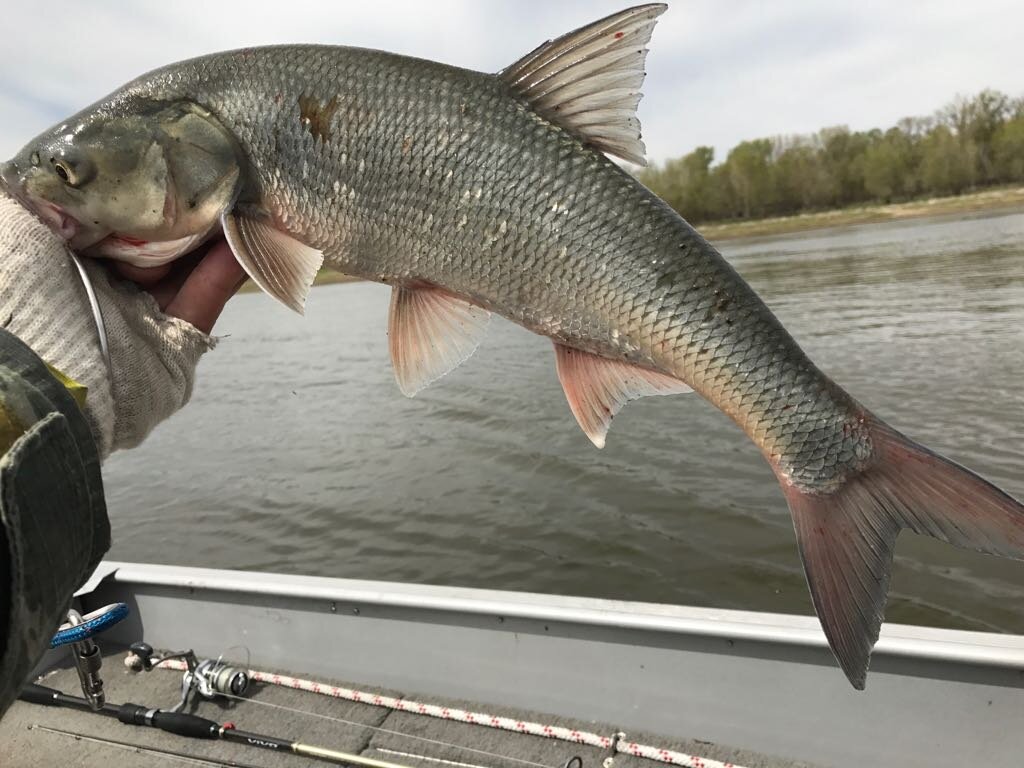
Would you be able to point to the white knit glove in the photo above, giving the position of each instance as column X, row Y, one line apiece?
column 42, row 301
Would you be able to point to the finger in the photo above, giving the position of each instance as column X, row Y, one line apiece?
column 144, row 276
column 207, row 288
column 167, row 289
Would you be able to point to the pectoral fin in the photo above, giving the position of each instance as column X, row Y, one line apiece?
column 597, row 387
column 277, row 262
column 430, row 332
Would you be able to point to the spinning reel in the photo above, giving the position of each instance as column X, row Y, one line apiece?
column 210, row 678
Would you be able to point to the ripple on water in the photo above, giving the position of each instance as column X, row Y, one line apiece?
column 298, row 454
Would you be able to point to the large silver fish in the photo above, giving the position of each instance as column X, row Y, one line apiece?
column 474, row 193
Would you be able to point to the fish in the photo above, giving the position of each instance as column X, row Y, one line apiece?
column 473, row 194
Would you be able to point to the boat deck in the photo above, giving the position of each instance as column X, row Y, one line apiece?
column 362, row 729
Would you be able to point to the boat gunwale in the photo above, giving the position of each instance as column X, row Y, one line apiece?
column 934, row 644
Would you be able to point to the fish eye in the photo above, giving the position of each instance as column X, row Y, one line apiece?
column 71, row 173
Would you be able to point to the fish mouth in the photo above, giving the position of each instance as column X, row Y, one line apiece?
column 9, row 177
column 59, row 220
column 10, row 182
column 54, row 216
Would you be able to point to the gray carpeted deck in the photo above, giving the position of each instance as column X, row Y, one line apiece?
column 24, row 745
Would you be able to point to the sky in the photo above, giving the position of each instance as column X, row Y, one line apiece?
column 719, row 71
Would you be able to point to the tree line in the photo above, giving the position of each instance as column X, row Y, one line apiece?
column 969, row 144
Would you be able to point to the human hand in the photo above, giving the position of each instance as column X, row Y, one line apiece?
column 156, row 334
column 194, row 289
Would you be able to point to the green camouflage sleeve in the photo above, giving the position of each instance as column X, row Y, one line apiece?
column 53, row 520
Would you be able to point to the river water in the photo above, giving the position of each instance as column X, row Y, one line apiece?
column 298, row 454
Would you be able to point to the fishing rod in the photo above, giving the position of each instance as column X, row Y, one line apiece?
column 125, row 746
column 195, row 727
column 209, row 679
column 214, row 679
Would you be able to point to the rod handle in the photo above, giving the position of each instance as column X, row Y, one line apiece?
column 178, row 723
column 40, row 694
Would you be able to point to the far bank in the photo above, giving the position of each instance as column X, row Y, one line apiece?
column 1005, row 198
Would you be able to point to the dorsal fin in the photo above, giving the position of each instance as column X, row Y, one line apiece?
column 588, row 81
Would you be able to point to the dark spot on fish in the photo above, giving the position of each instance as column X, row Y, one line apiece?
column 787, row 407
column 723, row 303
column 192, row 203
column 667, row 279
column 9, row 320
column 316, row 117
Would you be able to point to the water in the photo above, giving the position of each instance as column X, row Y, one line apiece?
column 298, row 454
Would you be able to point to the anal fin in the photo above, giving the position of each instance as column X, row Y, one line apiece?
column 597, row 387
column 278, row 263
column 431, row 332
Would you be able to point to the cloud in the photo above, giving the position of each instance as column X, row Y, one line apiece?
column 718, row 73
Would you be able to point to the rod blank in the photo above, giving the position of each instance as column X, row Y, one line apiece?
column 195, row 727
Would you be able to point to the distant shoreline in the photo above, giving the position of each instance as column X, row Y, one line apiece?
column 1006, row 198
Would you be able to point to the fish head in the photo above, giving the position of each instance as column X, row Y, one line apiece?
column 140, row 173
column 49, row 177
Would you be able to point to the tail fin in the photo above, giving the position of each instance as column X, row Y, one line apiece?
column 846, row 537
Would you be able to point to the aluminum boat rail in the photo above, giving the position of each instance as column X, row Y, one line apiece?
column 761, row 681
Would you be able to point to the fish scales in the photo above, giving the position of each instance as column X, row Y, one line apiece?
column 450, row 180
column 472, row 193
